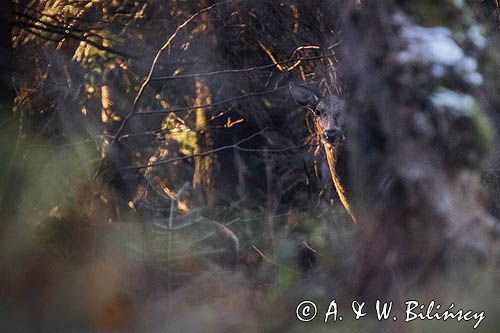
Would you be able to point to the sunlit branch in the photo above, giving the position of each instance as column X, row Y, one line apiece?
column 63, row 27
column 69, row 18
column 28, row 26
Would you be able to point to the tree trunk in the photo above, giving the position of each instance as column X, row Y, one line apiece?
column 204, row 172
column 416, row 168
column 205, row 166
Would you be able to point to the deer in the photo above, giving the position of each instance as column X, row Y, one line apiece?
column 329, row 121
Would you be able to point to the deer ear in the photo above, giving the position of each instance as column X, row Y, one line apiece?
column 303, row 96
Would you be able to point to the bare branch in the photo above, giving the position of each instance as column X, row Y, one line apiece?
column 236, row 146
column 227, row 100
column 29, row 26
column 63, row 27
column 237, row 71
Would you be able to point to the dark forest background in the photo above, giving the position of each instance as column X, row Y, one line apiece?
column 156, row 174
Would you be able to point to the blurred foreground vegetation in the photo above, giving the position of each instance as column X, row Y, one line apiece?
column 156, row 175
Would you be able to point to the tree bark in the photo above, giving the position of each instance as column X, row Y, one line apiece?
column 409, row 170
column 205, row 167
column 204, row 172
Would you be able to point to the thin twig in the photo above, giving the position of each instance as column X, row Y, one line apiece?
column 273, row 151
column 227, row 100
column 67, row 34
column 212, row 151
column 272, row 262
column 6, row 121
column 236, row 71
column 224, row 101
column 216, row 150
column 62, row 29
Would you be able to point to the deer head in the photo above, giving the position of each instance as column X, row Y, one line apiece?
column 329, row 122
column 328, row 111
